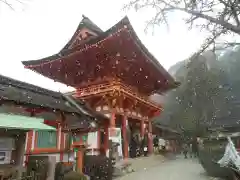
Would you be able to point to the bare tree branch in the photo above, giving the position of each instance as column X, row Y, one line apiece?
column 223, row 13
column 208, row 42
column 7, row 3
column 11, row 5
column 195, row 8
column 220, row 16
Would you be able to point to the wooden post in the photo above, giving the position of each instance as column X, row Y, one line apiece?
column 99, row 140
column 112, row 124
column 106, row 138
column 113, row 119
column 125, row 136
column 59, row 132
column 29, row 140
column 80, row 148
column 60, row 135
column 20, row 151
column 80, row 160
column 110, row 149
column 142, row 128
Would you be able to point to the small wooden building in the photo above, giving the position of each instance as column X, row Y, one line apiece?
column 32, row 120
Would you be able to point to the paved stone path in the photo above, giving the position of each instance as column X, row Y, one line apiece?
column 187, row 169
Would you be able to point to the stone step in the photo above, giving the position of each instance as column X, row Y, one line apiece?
column 130, row 165
column 122, row 168
column 143, row 163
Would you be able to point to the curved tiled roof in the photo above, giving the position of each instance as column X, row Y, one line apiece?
column 22, row 93
column 85, row 23
column 124, row 23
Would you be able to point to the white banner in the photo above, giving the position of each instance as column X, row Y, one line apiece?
column 230, row 155
column 92, row 140
column 116, row 136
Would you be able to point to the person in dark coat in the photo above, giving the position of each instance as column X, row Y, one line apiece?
column 133, row 147
column 185, row 150
column 145, row 144
column 156, row 144
column 195, row 148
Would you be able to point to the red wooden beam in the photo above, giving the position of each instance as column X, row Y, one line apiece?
column 51, row 123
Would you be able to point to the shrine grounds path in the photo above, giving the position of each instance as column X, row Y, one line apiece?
column 178, row 169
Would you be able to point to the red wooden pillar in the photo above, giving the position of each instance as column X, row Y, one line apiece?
column 29, row 144
column 61, row 141
column 30, row 139
column 150, row 139
column 60, row 135
column 80, row 160
column 125, row 137
column 80, row 155
column 59, row 129
column 106, row 138
column 113, row 119
column 110, row 130
column 99, row 140
column 142, row 130
column 80, row 148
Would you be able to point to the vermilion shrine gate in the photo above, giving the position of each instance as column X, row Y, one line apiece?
column 114, row 73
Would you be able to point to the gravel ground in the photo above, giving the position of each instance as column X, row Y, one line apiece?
column 178, row 169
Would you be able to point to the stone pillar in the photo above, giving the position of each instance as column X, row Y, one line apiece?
column 125, row 136
column 20, row 151
column 150, row 139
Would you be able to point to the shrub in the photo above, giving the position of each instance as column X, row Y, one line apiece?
column 72, row 175
column 98, row 167
column 61, row 169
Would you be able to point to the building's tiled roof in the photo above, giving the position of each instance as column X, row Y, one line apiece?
column 22, row 93
column 124, row 23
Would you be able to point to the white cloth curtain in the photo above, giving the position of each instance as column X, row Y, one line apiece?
column 230, row 156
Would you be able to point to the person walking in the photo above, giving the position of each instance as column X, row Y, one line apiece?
column 190, row 149
column 185, row 150
column 156, row 144
column 195, row 148
column 145, row 144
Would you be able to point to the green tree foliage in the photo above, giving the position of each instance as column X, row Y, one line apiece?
column 201, row 98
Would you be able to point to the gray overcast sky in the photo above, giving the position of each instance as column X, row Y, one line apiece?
column 41, row 28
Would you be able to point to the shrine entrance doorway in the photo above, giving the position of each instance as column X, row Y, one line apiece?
column 135, row 140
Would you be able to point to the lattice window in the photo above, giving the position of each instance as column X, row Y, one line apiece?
column 46, row 139
column 77, row 138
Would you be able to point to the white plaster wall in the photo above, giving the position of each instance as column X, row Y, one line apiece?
column 57, row 155
column 93, row 153
column 65, row 157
